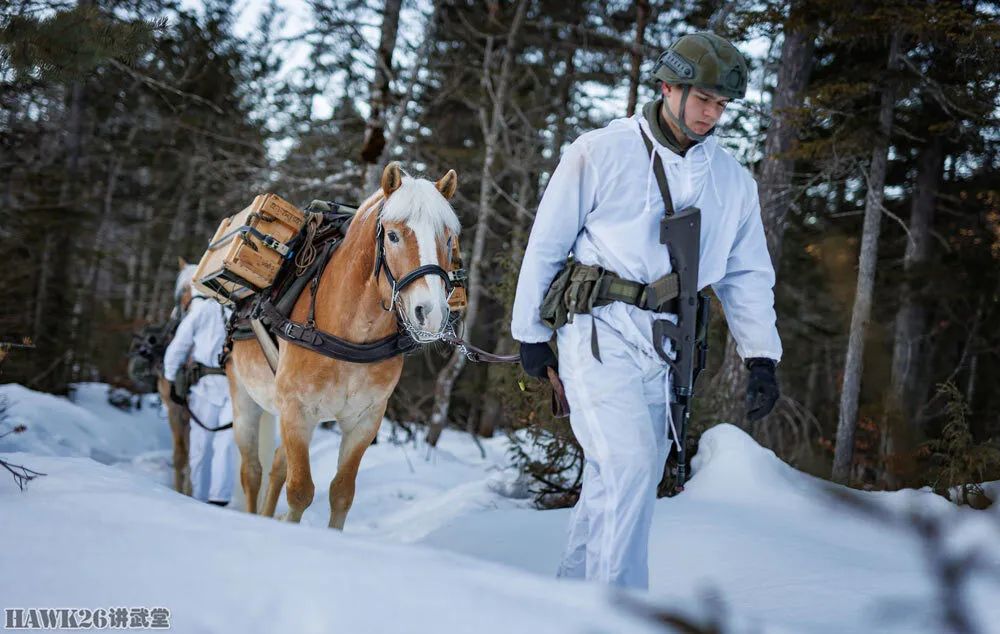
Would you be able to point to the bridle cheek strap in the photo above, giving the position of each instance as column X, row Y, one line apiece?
column 398, row 285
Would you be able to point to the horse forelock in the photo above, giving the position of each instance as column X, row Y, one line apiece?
column 418, row 203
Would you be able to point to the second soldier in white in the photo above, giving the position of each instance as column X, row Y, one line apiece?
column 199, row 340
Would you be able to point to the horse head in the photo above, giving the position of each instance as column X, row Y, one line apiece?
column 416, row 225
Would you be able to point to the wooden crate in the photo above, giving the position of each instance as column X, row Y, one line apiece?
column 246, row 252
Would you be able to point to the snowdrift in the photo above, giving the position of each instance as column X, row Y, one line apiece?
column 88, row 535
column 86, row 426
column 431, row 545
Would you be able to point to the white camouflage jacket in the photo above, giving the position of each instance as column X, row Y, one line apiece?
column 602, row 204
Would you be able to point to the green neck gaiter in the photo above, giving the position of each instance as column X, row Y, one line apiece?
column 661, row 131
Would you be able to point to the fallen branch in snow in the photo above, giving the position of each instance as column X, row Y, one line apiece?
column 22, row 475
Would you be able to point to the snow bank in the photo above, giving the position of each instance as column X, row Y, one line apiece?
column 86, row 426
column 88, row 535
column 430, row 545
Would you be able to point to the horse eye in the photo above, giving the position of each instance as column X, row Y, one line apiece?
column 393, row 236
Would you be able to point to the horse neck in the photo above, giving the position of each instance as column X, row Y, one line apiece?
column 348, row 301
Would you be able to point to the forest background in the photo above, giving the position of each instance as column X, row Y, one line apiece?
column 130, row 128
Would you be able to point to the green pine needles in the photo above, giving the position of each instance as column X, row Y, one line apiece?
column 68, row 44
column 960, row 464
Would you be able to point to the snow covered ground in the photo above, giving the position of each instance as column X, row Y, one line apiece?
column 432, row 546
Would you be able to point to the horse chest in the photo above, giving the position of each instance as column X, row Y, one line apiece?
column 345, row 391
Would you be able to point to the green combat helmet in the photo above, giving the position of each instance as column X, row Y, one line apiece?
column 703, row 60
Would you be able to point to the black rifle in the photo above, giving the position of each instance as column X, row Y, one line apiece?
column 681, row 233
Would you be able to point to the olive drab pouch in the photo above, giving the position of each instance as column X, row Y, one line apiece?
column 581, row 294
column 553, row 310
column 185, row 379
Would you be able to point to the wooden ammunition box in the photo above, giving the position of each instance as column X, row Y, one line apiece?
column 248, row 249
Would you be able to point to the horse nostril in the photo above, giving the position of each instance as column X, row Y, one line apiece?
column 420, row 312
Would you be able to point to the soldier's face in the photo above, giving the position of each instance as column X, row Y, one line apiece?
column 703, row 110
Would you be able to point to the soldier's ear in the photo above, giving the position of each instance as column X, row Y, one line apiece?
column 181, row 263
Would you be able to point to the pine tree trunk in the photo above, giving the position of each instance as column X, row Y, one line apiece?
column 493, row 409
column 144, row 285
column 911, row 318
column 411, row 80
column 42, row 289
column 374, row 142
column 87, row 298
column 850, row 392
column 490, row 123
column 635, row 57
column 171, row 249
column 775, row 191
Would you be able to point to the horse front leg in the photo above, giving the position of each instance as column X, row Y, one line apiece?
column 180, row 429
column 276, row 480
column 246, row 432
column 296, row 431
column 355, row 441
column 178, row 422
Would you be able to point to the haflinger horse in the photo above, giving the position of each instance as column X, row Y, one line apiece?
column 176, row 414
column 361, row 298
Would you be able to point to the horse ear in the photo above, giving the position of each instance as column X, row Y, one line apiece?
column 181, row 263
column 392, row 178
column 448, row 184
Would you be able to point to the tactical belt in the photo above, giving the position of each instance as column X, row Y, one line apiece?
column 579, row 288
column 205, row 370
column 659, row 297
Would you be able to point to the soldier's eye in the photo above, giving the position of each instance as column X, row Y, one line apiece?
column 393, row 236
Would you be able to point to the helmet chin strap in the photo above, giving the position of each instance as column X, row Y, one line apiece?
column 679, row 122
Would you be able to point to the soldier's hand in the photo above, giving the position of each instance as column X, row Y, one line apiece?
column 174, row 396
column 762, row 389
column 536, row 357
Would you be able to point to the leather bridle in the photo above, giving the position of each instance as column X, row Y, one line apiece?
column 397, row 285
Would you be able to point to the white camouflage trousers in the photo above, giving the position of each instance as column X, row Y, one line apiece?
column 212, row 456
column 619, row 416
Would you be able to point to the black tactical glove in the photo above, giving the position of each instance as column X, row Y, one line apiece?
column 174, row 396
column 536, row 357
column 762, row 389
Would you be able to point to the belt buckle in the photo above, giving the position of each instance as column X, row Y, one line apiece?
column 643, row 298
